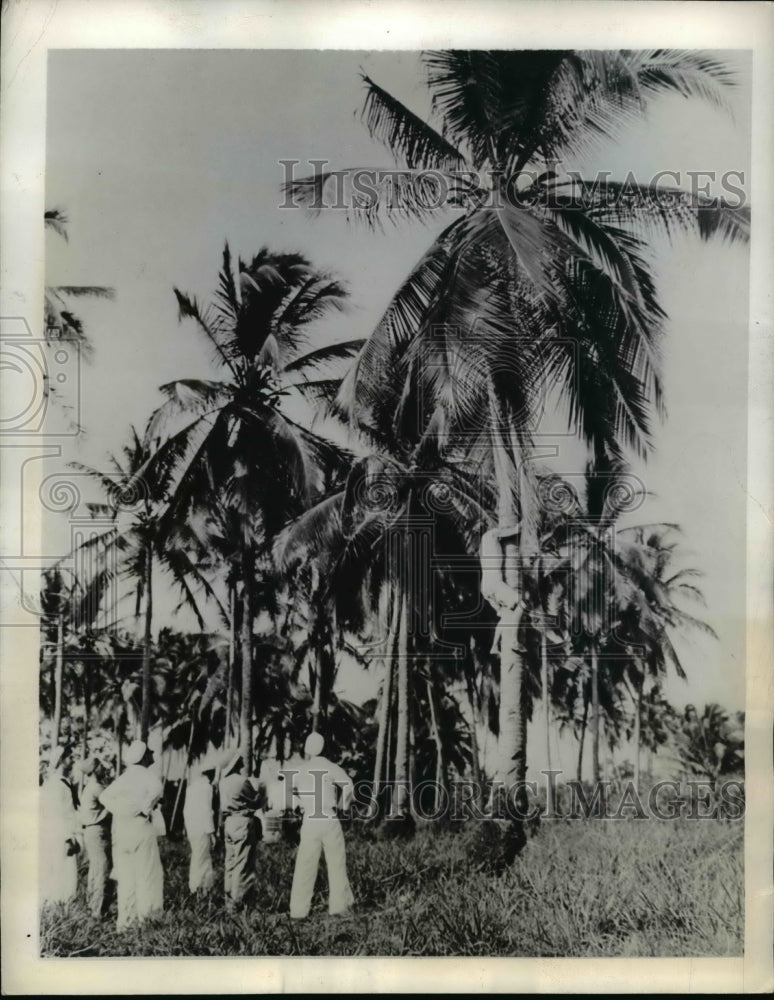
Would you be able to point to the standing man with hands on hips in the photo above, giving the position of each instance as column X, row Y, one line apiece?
column 315, row 786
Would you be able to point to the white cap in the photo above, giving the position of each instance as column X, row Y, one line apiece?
column 314, row 745
column 135, row 752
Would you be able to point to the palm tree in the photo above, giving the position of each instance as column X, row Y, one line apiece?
column 117, row 698
column 651, row 612
column 539, row 282
column 70, row 606
column 367, row 543
column 711, row 745
column 139, row 536
column 232, row 437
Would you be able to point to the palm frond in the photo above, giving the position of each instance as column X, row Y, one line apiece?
column 56, row 220
column 188, row 308
column 405, row 134
column 92, row 291
column 323, row 355
column 648, row 207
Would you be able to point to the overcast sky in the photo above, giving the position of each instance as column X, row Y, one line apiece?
column 158, row 157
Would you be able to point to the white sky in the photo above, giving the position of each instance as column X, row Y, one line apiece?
column 158, row 157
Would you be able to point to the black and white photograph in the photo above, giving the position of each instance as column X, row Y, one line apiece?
column 383, row 430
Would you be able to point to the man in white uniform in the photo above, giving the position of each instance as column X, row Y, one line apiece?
column 60, row 831
column 239, row 801
column 131, row 799
column 95, row 820
column 200, row 829
column 315, row 786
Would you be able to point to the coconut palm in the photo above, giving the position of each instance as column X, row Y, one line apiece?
column 366, row 541
column 232, row 437
column 711, row 745
column 138, row 537
column 70, row 606
column 652, row 610
column 536, row 283
column 117, row 699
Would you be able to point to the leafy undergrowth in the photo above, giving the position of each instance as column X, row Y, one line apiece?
column 578, row 889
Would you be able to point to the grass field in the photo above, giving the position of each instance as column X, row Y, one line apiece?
column 578, row 889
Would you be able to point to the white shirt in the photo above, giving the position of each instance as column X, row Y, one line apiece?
column 197, row 810
column 134, row 792
column 314, row 786
column 59, row 818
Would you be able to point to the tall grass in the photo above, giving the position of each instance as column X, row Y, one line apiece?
column 579, row 889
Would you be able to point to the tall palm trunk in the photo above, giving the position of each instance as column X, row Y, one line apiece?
column 391, row 648
column 318, row 654
column 384, row 721
column 638, row 733
column 440, row 770
column 246, row 644
column 584, row 724
column 86, row 712
column 146, row 653
column 58, row 671
column 546, row 714
column 474, row 748
column 230, row 665
column 512, row 742
column 595, row 712
column 401, row 797
column 315, row 710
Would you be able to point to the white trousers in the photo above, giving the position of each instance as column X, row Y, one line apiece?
column 96, row 842
column 138, row 870
column 317, row 836
column 201, row 874
column 58, row 872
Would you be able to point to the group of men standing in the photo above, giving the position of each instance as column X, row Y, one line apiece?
column 130, row 807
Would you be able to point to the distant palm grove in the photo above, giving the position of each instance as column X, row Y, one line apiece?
column 381, row 502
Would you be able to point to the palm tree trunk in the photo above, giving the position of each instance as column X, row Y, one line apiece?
column 440, row 774
column 58, row 671
column 86, row 711
column 246, row 706
column 401, row 797
column 594, row 713
column 512, row 742
column 638, row 734
column 584, row 723
column 474, row 748
column 230, row 667
column 546, row 715
column 503, row 590
column 391, row 648
column 381, row 738
column 512, row 746
column 317, row 700
column 146, row 653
